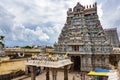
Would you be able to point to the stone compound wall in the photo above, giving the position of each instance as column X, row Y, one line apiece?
column 12, row 65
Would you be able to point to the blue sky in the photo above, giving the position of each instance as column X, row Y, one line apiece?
column 39, row 22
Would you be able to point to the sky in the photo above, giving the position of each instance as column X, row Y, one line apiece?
column 39, row 22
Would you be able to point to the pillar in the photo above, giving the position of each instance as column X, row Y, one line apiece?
column 65, row 73
column 54, row 73
column 33, row 74
column 47, row 74
column 72, row 65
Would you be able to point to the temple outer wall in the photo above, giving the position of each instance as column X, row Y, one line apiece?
column 12, row 65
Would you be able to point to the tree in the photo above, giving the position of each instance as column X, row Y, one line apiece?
column 27, row 47
column 1, row 39
column 2, row 44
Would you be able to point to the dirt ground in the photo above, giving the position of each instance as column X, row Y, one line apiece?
column 60, row 76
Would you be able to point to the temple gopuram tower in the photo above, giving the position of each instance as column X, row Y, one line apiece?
column 83, row 38
column 112, row 36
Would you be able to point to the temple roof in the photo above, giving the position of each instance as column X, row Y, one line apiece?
column 78, row 6
column 52, row 64
column 116, row 51
column 50, row 60
column 89, row 9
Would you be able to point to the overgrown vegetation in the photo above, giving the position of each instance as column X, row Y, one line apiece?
column 1, row 39
column 2, row 44
column 27, row 47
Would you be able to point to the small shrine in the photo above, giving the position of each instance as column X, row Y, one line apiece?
column 50, row 62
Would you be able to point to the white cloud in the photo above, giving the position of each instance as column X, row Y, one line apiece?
column 46, row 16
column 110, row 16
column 100, row 12
column 26, row 34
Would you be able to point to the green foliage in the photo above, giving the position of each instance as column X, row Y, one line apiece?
column 2, row 44
column 2, row 37
column 27, row 47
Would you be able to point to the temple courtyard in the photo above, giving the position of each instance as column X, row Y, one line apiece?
column 60, row 76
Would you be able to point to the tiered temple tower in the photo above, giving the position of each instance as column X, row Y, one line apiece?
column 83, row 38
column 112, row 36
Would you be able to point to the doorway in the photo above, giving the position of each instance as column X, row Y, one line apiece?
column 77, row 63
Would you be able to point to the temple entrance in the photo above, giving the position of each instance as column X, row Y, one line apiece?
column 76, row 63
